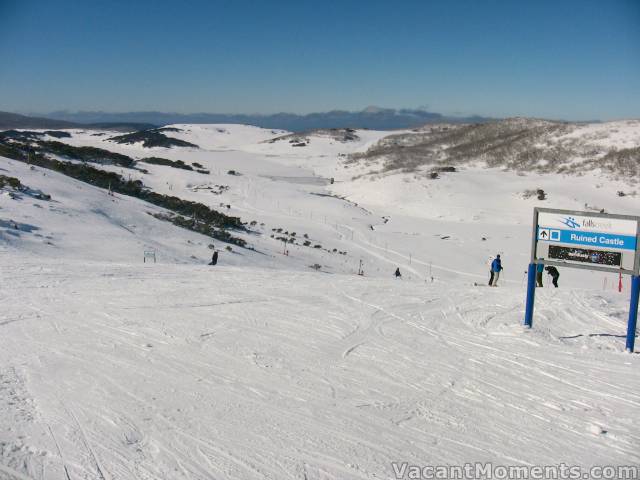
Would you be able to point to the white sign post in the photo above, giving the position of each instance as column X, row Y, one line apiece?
column 149, row 253
column 593, row 241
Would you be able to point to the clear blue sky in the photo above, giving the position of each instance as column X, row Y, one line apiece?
column 556, row 59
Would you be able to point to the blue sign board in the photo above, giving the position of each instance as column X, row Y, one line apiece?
column 592, row 239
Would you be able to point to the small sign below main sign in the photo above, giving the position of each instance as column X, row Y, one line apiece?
column 582, row 255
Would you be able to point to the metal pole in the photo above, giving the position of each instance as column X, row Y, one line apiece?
column 633, row 313
column 531, row 295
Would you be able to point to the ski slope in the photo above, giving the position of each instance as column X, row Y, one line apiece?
column 261, row 367
column 173, row 371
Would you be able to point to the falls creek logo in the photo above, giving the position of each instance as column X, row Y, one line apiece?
column 572, row 223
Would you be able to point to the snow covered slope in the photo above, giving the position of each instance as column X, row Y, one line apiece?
column 84, row 222
column 174, row 371
column 221, row 136
column 263, row 367
column 444, row 228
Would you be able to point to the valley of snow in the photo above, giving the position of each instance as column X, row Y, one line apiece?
column 262, row 367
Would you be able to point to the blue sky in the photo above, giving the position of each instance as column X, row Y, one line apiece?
column 555, row 59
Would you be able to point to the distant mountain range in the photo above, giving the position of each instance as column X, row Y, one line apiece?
column 13, row 120
column 372, row 117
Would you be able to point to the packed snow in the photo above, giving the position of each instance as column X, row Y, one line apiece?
column 262, row 367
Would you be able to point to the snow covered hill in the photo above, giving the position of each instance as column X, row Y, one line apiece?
column 282, row 362
column 519, row 144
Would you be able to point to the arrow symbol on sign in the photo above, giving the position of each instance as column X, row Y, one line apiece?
column 543, row 234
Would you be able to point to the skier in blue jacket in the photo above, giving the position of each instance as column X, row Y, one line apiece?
column 496, row 268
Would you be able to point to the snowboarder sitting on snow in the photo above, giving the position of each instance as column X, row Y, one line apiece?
column 398, row 274
column 539, row 271
column 555, row 274
column 214, row 258
column 496, row 268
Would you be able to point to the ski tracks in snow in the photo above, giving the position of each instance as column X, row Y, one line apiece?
column 285, row 376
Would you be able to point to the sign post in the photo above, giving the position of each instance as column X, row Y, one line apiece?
column 593, row 241
column 531, row 295
column 633, row 313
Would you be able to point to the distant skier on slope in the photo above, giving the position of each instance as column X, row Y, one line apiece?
column 555, row 274
column 539, row 271
column 214, row 258
column 496, row 268
column 398, row 274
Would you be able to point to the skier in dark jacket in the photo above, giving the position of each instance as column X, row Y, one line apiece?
column 214, row 258
column 539, row 272
column 398, row 274
column 496, row 268
column 555, row 274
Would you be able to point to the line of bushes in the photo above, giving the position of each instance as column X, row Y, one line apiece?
column 86, row 154
column 133, row 188
column 166, row 162
column 175, row 164
column 151, row 138
column 202, row 227
column 32, row 135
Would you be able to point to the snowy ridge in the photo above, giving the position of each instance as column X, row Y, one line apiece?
column 517, row 144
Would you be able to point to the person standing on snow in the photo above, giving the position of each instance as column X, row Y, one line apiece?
column 398, row 274
column 496, row 268
column 555, row 274
column 214, row 258
column 539, row 271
